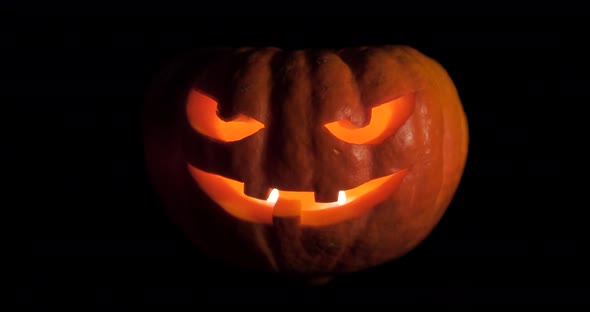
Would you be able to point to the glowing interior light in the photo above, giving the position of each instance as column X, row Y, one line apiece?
column 202, row 115
column 341, row 198
column 229, row 195
column 385, row 120
column 273, row 196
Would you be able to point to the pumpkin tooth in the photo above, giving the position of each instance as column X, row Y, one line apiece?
column 273, row 196
column 341, row 198
column 326, row 196
column 256, row 190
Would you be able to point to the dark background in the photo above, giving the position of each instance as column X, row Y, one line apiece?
column 90, row 227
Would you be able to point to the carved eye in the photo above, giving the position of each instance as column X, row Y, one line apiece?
column 385, row 120
column 202, row 115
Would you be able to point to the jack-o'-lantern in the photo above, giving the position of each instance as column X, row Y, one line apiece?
column 313, row 162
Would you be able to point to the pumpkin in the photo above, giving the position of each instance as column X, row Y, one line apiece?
column 309, row 162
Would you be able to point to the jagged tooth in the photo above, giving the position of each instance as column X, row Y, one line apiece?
column 273, row 196
column 341, row 197
column 256, row 190
column 326, row 196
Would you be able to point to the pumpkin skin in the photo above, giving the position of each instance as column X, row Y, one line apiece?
column 294, row 97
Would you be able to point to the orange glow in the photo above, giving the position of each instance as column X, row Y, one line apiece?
column 352, row 203
column 385, row 120
column 202, row 115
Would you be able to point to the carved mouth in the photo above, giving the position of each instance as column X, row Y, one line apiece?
column 229, row 194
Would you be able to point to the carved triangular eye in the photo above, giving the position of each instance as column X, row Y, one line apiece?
column 385, row 120
column 202, row 115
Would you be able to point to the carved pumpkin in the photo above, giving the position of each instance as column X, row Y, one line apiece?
column 312, row 162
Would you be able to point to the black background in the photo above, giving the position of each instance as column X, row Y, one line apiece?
column 90, row 228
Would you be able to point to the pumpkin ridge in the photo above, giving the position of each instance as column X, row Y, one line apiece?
column 250, row 83
column 288, row 159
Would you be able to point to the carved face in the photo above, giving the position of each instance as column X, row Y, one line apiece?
column 229, row 194
column 359, row 151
